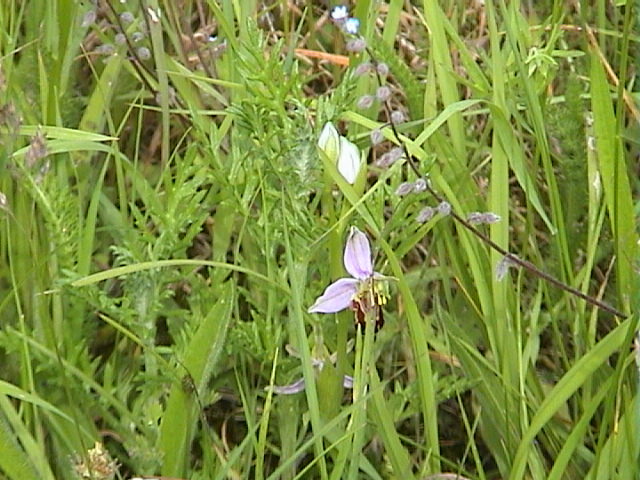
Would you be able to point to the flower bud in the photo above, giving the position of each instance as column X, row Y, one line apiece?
column 503, row 265
column 397, row 117
column 329, row 141
column 444, row 208
column 420, row 185
column 364, row 67
column 348, row 160
column 382, row 69
column 389, row 158
column 88, row 19
column 126, row 17
column 105, row 49
column 356, row 45
column 376, row 136
column 476, row 218
column 383, row 93
column 425, row 214
column 404, row 189
column 144, row 53
column 365, row 102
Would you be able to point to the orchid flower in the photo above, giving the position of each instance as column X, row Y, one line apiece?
column 341, row 151
column 362, row 291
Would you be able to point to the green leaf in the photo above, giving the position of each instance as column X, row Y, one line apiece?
column 202, row 355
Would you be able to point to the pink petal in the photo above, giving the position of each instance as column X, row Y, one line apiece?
column 336, row 297
column 357, row 255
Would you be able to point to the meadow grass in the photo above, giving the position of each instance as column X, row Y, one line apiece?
column 168, row 219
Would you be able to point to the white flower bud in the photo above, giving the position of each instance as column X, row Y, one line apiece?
column 329, row 141
column 348, row 160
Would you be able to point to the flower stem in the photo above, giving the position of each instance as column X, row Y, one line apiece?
column 364, row 362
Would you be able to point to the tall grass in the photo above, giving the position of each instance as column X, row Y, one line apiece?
column 168, row 218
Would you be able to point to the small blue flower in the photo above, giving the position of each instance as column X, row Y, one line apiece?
column 351, row 25
column 339, row 13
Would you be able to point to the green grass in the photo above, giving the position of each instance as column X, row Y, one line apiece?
column 167, row 219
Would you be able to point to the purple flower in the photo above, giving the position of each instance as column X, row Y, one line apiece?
column 345, row 292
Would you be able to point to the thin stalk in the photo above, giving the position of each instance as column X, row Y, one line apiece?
column 364, row 362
